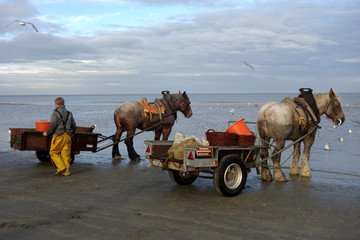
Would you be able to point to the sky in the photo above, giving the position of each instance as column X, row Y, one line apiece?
column 198, row 46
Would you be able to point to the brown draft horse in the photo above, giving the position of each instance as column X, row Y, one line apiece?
column 130, row 116
column 280, row 122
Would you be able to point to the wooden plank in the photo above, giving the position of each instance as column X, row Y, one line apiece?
column 16, row 135
column 85, row 142
column 34, row 140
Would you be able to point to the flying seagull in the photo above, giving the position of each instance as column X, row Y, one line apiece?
column 21, row 23
column 246, row 64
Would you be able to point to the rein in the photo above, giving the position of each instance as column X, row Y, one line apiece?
column 285, row 148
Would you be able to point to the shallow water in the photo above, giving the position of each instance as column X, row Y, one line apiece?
column 340, row 165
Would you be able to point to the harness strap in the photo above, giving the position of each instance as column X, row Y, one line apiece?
column 305, row 108
column 62, row 119
column 303, row 118
column 306, row 116
column 159, row 109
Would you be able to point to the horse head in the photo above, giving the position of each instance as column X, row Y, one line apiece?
column 184, row 105
column 334, row 110
column 178, row 102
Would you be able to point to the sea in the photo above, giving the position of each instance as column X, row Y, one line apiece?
column 210, row 111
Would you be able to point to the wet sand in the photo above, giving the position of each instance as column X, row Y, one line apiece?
column 126, row 200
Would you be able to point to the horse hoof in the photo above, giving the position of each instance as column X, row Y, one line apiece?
column 306, row 175
column 135, row 158
column 294, row 172
column 117, row 157
column 305, row 172
column 266, row 175
column 281, row 179
column 267, row 179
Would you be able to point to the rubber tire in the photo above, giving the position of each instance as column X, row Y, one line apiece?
column 43, row 156
column 183, row 178
column 230, row 165
column 72, row 155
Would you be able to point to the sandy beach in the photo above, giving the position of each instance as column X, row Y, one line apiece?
column 106, row 199
column 103, row 199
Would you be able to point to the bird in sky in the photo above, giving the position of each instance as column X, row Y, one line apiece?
column 246, row 64
column 21, row 23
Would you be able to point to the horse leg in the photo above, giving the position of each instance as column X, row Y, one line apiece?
column 294, row 168
column 157, row 135
column 130, row 147
column 279, row 176
column 305, row 168
column 265, row 172
column 115, row 149
column 165, row 133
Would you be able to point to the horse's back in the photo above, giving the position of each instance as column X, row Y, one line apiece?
column 129, row 113
column 276, row 120
column 129, row 107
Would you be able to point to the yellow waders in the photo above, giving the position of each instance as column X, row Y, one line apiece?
column 60, row 152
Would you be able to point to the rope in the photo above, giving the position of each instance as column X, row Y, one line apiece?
column 283, row 149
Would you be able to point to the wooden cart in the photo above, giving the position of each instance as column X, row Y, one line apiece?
column 28, row 139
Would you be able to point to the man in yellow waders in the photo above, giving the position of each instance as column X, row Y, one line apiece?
column 62, row 127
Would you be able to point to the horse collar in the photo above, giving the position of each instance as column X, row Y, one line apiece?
column 168, row 99
column 306, row 94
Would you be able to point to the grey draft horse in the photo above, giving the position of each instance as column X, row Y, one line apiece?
column 279, row 121
column 131, row 116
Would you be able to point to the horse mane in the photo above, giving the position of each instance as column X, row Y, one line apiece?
column 177, row 96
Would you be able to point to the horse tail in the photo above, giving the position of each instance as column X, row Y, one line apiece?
column 116, row 118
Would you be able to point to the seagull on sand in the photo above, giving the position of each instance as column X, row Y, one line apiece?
column 327, row 147
column 248, row 65
column 232, row 110
column 21, row 23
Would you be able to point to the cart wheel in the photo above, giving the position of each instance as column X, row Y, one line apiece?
column 43, row 156
column 230, row 176
column 183, row 178
column 72, row 155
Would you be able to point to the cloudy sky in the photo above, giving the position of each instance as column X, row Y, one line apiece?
column 146, row 46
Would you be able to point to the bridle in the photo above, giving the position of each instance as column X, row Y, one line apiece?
column 335, row 104
column 185, row 104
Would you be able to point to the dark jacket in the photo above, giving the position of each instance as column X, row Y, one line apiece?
column 58, row 117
